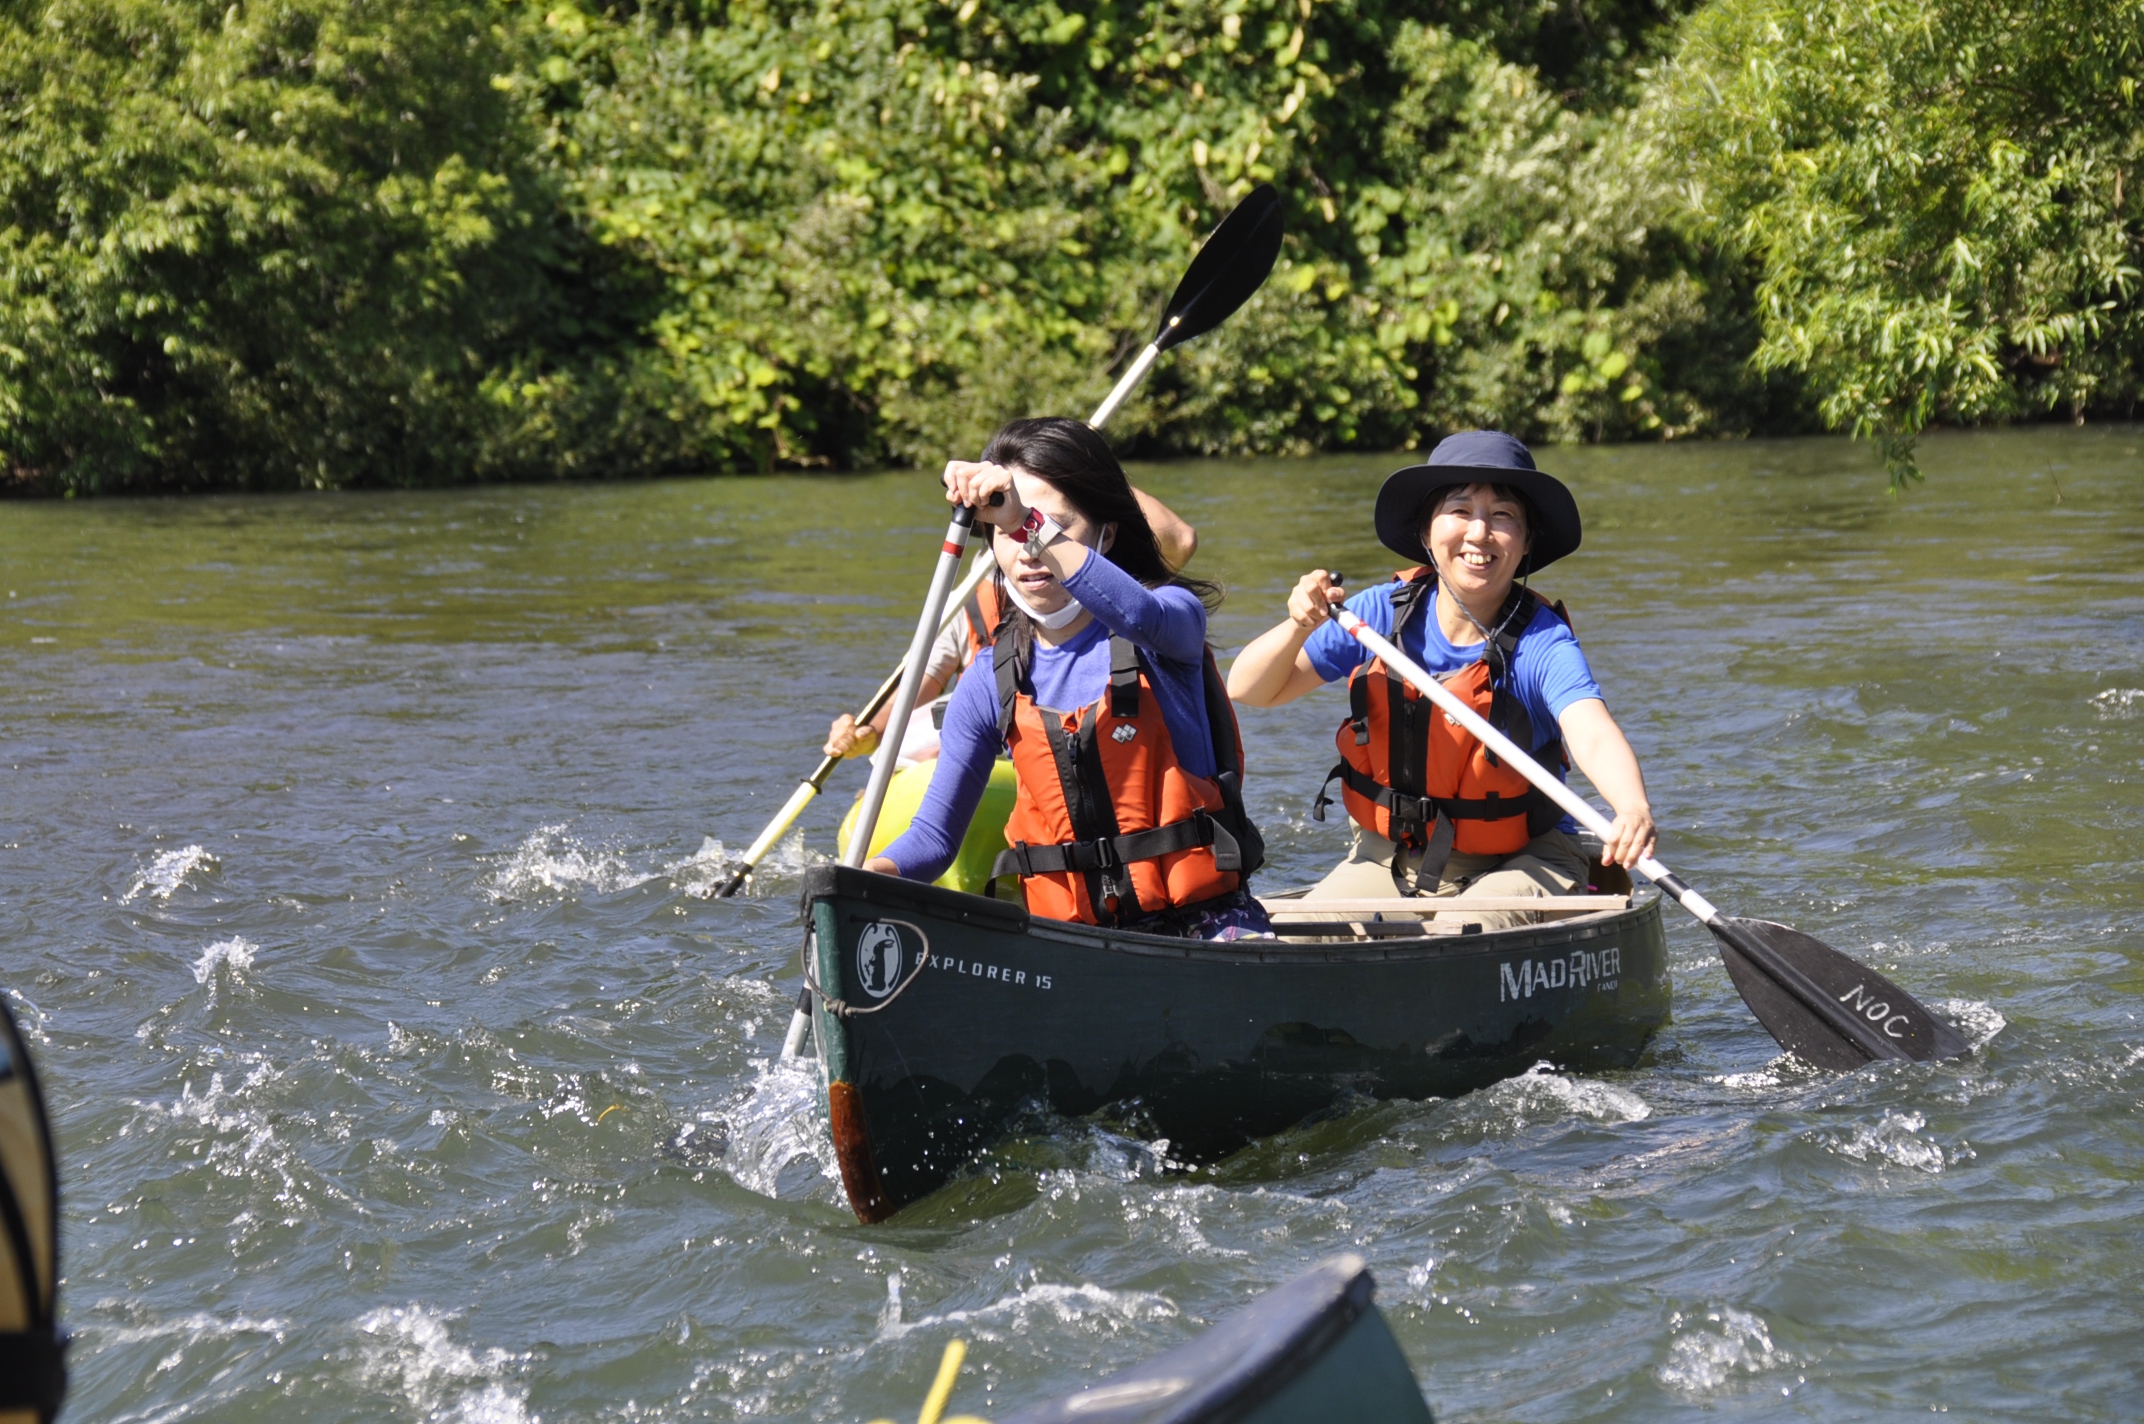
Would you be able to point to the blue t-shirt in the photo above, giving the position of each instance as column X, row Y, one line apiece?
column 1548, row 669
column 1169, row 627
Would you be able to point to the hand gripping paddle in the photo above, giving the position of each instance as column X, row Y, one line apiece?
column 1822, row 1006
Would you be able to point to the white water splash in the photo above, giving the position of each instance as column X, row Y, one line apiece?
column 1893, row 1138
column 195, row 1327
column 233, row 957
column 1088, row 1307
column 1977, row 1021
column 549, row 859
column 703, row 873
column 229, row 1132
column 221, row 1111
column 163, row 876
column 1541, row 1094
column 444, row 1383
column 1782, row 1071
column 2119, row 703
column 775, row 1121
column 1702, row 1359
column 1180, row 1214
column 707, row 869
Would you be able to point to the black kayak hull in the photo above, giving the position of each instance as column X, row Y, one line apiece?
column 1312, row 1351
column 939, row 1015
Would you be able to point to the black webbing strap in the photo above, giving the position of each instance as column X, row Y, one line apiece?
column 1009, row 675
column 1228, row 767
column 1114, row 853
column 1405, row 812
column 1410, row 812
column 1436, row 852
column 1407, row 716
column 1407, row 599
column 33, row 1371
column 1421, row 810
column 1123, row 677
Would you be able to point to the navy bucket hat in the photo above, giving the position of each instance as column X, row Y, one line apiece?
column 1474, row 457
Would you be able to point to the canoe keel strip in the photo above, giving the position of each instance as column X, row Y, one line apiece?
column 852, row 1151
column 943, row 1017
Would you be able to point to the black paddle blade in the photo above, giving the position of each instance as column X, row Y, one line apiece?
column 1232, row 265
column 1823, row 1006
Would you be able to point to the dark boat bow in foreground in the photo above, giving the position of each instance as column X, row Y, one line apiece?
column 938, row 1015
column 1315, row 1349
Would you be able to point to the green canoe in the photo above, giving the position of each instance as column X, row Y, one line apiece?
column 938, row 1015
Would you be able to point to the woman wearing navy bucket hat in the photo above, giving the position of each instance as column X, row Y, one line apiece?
column 1435, row 811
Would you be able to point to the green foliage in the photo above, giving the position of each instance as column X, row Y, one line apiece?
column 1936, row 194
column 331, row 242
column 267, row 243
column 886, row 226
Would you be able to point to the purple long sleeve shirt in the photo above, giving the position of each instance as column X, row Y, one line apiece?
column 1167, row 624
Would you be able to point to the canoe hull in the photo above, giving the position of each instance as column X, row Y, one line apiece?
column 1313, row 1350
column 970, row 1010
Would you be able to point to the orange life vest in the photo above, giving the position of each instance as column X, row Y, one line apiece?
column 1415, row 776
column 1107, row 827
column 982, row 610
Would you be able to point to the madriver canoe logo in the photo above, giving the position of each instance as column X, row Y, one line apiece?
column 878, row 959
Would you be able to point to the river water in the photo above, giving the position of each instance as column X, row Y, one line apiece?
column 355, row 868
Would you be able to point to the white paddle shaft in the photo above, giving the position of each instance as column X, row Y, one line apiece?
column 1504, row 747
column 1125, row 386
column 809, row 787
column 904, row 701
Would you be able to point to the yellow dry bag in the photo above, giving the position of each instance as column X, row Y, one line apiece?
column 970, row 870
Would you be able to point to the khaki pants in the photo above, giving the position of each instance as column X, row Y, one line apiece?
column 1551, row 864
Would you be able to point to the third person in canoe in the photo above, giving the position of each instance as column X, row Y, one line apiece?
column 1435, row 812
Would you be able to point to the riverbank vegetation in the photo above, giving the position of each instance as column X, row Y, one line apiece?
column 281, row 243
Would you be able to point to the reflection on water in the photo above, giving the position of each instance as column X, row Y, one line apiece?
column 357, row 887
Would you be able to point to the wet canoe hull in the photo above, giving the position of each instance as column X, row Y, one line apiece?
column 941, row 1015
column 1314, row 1350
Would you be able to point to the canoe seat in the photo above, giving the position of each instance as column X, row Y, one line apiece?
column 1419, row 906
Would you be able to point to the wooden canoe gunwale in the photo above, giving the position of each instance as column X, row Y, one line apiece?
column 1214, row 1040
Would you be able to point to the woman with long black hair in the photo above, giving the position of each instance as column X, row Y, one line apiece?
column 1101, row 686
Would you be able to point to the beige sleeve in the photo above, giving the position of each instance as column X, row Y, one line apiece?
column 949, row 653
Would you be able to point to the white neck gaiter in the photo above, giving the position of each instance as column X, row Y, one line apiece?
column 1053, row 621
